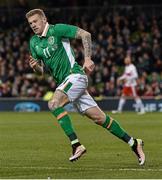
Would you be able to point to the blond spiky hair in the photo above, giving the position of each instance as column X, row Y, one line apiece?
column 35, row 11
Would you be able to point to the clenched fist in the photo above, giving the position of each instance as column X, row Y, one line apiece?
column 32, row 62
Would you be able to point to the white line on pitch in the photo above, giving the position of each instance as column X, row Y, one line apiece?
column 84, row 168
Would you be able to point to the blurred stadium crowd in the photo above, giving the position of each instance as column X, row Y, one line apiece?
column 114, row 33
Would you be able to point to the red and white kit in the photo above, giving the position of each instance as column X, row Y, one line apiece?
column 130, row 80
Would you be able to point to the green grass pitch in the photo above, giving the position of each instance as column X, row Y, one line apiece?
column 32, row 145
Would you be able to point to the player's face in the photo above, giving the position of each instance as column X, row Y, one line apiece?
column 37, row 23
column 127, row 60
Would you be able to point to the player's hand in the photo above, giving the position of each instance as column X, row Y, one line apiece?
column 118, row 82
column 88, row 65
column 125, row 80
column 32, row 62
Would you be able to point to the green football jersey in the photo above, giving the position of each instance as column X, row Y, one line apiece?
column 53, row 48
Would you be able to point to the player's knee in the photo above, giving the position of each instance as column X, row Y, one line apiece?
column 99, row 119
column 98, row 122
column 53, row 104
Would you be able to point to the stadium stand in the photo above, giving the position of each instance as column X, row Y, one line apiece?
column 114, row 31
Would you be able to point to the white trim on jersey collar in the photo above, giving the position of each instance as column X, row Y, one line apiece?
column 44, row 33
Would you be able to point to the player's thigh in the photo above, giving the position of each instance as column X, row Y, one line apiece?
column 86, row 105
column 96, row 114
column 59, row 99
column 74, row 86
column 134, row 92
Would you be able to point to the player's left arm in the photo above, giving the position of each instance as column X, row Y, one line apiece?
column 70, row 31
column 87, row 45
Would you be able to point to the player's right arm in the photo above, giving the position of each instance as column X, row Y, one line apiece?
column 35, row 65
column 121, row 78
column 33, row 59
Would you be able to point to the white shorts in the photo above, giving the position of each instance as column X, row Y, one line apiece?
column 74, row 86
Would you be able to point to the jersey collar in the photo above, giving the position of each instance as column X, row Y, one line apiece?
column 44, row 33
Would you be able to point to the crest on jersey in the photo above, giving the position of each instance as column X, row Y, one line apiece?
column 51, row 40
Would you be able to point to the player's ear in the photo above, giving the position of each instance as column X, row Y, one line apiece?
column 44, row 19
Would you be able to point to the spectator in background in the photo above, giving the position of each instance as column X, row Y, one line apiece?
column 119, row 31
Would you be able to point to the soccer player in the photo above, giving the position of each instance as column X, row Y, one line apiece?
column 129, row 78
column 51, row 45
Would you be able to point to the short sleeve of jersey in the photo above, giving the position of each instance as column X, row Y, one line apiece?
column 32, row 50
column 65, row 30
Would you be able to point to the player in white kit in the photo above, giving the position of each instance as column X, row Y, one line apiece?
column 129, row 78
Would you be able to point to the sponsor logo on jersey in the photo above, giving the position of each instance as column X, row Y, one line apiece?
column 37, row 47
